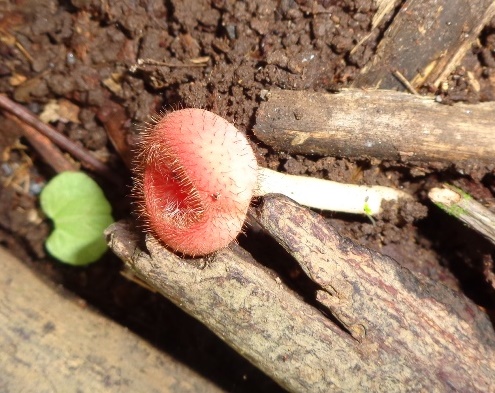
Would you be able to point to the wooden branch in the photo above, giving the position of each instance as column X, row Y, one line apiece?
column 52, row 342
column 462, row 206
column 425, row 42
column 378, row 123
column 409, row 334
column 399, row 315
column 250, row 310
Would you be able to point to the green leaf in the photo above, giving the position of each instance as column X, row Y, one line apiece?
column 80, row 212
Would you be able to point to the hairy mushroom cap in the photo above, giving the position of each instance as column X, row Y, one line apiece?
column 197, row 176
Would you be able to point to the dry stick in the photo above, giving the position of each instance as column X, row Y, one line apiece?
column 257, row 316
column 44, row 146
column 60, row 140
column 47, row 334
column 385, row 306
column 405, row 82
column 198, row 62
column 426, row 41
column 405, row 329
column 378, row 123
column 201, row 63
column 462, row 206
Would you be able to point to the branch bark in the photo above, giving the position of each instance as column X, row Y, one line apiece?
column 382, row 124
column 404, row 333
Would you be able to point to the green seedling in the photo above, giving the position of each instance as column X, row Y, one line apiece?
column 80, row 212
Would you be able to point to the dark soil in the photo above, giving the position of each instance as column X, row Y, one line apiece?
column 219, row 55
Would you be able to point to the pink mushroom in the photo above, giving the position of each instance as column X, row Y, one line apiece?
column 198, row 175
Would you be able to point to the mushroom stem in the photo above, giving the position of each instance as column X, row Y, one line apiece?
column 326, row 194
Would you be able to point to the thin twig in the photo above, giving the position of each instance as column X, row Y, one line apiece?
column 199, row 62
column 462, row 206
column 44, row 146
column 18, row 45
column 59, row 139
column 402, row 79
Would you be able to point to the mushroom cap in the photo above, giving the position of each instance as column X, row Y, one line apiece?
column 198, row 177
